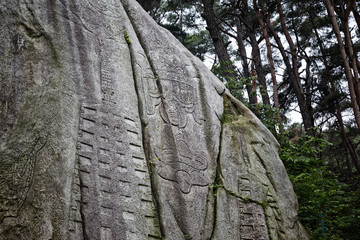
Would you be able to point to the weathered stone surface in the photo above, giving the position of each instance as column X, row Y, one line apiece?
column 111, row 129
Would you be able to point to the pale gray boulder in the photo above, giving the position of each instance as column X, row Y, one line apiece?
column 111, row 129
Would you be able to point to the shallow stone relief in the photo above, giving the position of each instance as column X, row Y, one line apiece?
column 16, row 176
column 115, row 192
column 114, row 130
column 178, row 162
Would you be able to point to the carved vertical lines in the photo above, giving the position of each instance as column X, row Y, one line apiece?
column 76, row 227
column 114, row 184
column 143, row 212
column 252, row 224
column 107, row 87
column 273, row 215
column 88, row 170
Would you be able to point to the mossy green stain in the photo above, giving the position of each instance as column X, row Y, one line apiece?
column 231, row 113
column 226, row 118
column 127, row 37
column 265, row 205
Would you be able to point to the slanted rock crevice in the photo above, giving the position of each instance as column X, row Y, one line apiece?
column 136, row 67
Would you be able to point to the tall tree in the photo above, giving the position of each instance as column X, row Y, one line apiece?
column 291, row 66
column 252, row 26
column 303, row 100
column 242, row 49
column 353, row 85
column 213, row 26
column 346, row 141
column 270, row 59
column 240, row 11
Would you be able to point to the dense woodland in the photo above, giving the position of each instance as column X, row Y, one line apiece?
column 284, row 56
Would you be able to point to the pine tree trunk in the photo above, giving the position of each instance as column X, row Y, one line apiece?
column 271, row 62
column 212, row 23
column 242, row 53
column 348, row 73
column 356, row 14
column 304, row 103
column 346, row 141
column 259, row 68
column 294, row 81
column 351, row 54
column 253, row 81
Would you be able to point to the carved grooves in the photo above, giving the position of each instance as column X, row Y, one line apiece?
column 270, row 199
column 29, row 168
column 113, row 175
column 145, row 144
column 20, row 169
column 112, row 192
column 146, row 147
column 115, row 197
column 252, row 212
column 82, row 216
column 252, row 224
column 146, row 140
column 213, row 189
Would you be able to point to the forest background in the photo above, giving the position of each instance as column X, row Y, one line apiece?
column 281, row 56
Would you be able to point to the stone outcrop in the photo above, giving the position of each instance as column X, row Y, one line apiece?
column 111, row 129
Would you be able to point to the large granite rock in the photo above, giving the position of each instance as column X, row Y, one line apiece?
column 111, row 129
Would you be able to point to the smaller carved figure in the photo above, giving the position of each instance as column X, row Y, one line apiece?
column 179, row 163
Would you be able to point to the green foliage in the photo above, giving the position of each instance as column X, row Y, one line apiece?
column 199, row 44
column 306, row 148
column 321, row 195
column 339, row 155
column 235, row 86
column 268, row 116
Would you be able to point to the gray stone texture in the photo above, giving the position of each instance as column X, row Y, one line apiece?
column 111, row 129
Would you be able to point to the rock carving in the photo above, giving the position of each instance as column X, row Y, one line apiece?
column 16, row 177
column 110, row 129
column 177, row 162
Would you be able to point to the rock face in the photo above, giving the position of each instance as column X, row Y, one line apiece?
column 111, row 129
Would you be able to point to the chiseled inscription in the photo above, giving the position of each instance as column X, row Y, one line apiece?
column 114, row 179
column 252, row 224
column 148, row 86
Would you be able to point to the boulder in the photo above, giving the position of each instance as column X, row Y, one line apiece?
column 111, row 129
